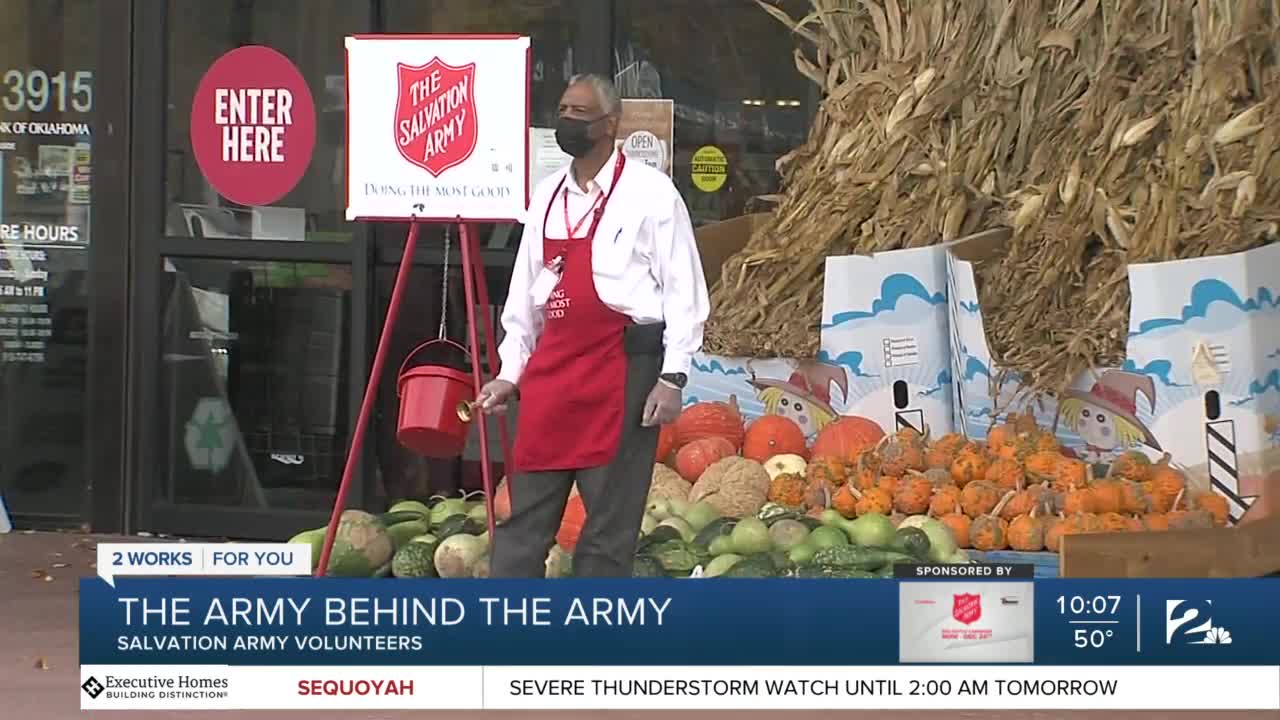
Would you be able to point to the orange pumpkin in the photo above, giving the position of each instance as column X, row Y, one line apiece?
column 845, row 501
column 710, row 419
column 1043, row 466
column 960, row 526
column 847, row 437
column 1131, row 465
column 899, row 456
column 771, row 435
column 575, row 516
column 889, row 484
column 666, row 443
column 1108, row 497
column 971, row 464
column 913, row 495
column 1071, row 472
column 1079, row 500
column 945, row 500
column 1190, row 520
column 979, row 498
column 830, row 470
column 1026, row 533
column 1054, row 527
column 788, row 490
column 1045, row 442
column 1006, row 474
column 875, row 500
column 866, row 472
column 1155, row 522
column 1024, row 502
column 502, row 501
column 937, row 477
column 1215, row 505
column 694, row 458
column 1113, row 522
column 818, row 493
column 1133, row 499
column 942, row 452
column 1083, row 523
column 999, row 435
column 989, row 533
column 1166, row 485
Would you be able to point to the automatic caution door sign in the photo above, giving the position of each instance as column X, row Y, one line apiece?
column 710, row 168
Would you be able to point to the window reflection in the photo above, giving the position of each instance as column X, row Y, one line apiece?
column 309, row 33
column 729, row 69
column 253, row 387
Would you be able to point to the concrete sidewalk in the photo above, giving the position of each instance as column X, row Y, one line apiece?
column 39, row 663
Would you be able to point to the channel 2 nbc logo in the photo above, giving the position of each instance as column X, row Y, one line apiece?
column 1190, row 622
column 92, row 687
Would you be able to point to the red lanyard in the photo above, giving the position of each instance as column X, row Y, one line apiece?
column 573, row 231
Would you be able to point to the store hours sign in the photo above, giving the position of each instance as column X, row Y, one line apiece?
column 437, row 127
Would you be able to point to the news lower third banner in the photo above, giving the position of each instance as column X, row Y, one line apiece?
column 301, row 643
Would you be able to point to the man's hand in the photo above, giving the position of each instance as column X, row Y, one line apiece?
column 662, row 406
column 494, row 396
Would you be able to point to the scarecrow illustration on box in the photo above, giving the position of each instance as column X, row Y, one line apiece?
column 805, row 397
column 1106, row 417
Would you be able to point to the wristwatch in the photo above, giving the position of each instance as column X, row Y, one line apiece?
column 677, row 379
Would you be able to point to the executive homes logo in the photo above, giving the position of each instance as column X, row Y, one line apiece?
column 156, row 687
column 92, row 687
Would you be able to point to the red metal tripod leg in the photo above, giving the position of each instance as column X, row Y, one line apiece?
column 491, row 338
column 370, row 395
column 469, row 249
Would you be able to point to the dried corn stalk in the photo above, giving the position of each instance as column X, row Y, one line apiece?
column 1104, row 132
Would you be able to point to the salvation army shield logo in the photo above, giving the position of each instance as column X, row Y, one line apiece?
column 435, row 120
column 966, row 608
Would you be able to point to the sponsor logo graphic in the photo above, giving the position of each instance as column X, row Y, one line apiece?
column 435, row 119
column 92, row 687
column 1190, row 622
column 966, row 608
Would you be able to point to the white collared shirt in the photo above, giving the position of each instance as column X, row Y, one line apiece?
column 644, row 260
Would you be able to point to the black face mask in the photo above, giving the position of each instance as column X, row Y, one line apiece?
column 574, row 135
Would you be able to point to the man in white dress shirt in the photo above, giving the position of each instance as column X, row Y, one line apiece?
column 603, row 316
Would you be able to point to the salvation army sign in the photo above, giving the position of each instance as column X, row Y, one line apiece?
column 437, row 127
column 253, row 125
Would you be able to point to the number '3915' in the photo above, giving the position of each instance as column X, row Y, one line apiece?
column 38, row 91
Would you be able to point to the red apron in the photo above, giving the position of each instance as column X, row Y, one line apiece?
column 572, row 390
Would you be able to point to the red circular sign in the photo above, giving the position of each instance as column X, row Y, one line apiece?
column 253, row 125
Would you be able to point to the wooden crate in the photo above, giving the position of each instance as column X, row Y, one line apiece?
column 1248, row 550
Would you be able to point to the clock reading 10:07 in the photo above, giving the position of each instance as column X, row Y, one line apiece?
column 1096, row 605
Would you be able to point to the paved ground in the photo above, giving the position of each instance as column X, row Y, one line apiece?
column 39, row 675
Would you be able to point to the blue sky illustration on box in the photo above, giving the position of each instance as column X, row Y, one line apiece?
column 1152, row 401
column 863, row 343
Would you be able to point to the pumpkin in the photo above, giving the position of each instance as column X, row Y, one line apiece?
column 847, row 437
column 1215, row 505
column 845, row 501
column 1155, row 522
column 979, row 498
column 889, row 484
column 1044, row 441
column 502, row 502
column 1024, row 502
column 771, row 435
column 1026, row 532
column 960, row 526
column 874, row 500
column 818, row 493
column 1043, row 466
column 898, row 456
column 913, row 496
column 937, row 477
column 1113, row 522
column 1108, row 497
column 999, row 436
column 666, row 443
column 575, row 516
column 945, row 500
column 1166, row 486
column 942, row 452
column 1131, row 465
column 830, row 470
column 1078, row 500
column 1054, row 525
column 694, row 458
column 866, row 472
column 1005, row 474
column 1134, row 500
column 709, row 420
column 1071, row 472
column 970, row 464
column 788, row 490
column 1020, row 447
column 1082, row 524
column 1181, row 518
column 991, row 532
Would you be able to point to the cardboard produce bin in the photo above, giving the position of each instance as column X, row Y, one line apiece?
column 884, row 349
column 1201, row 381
